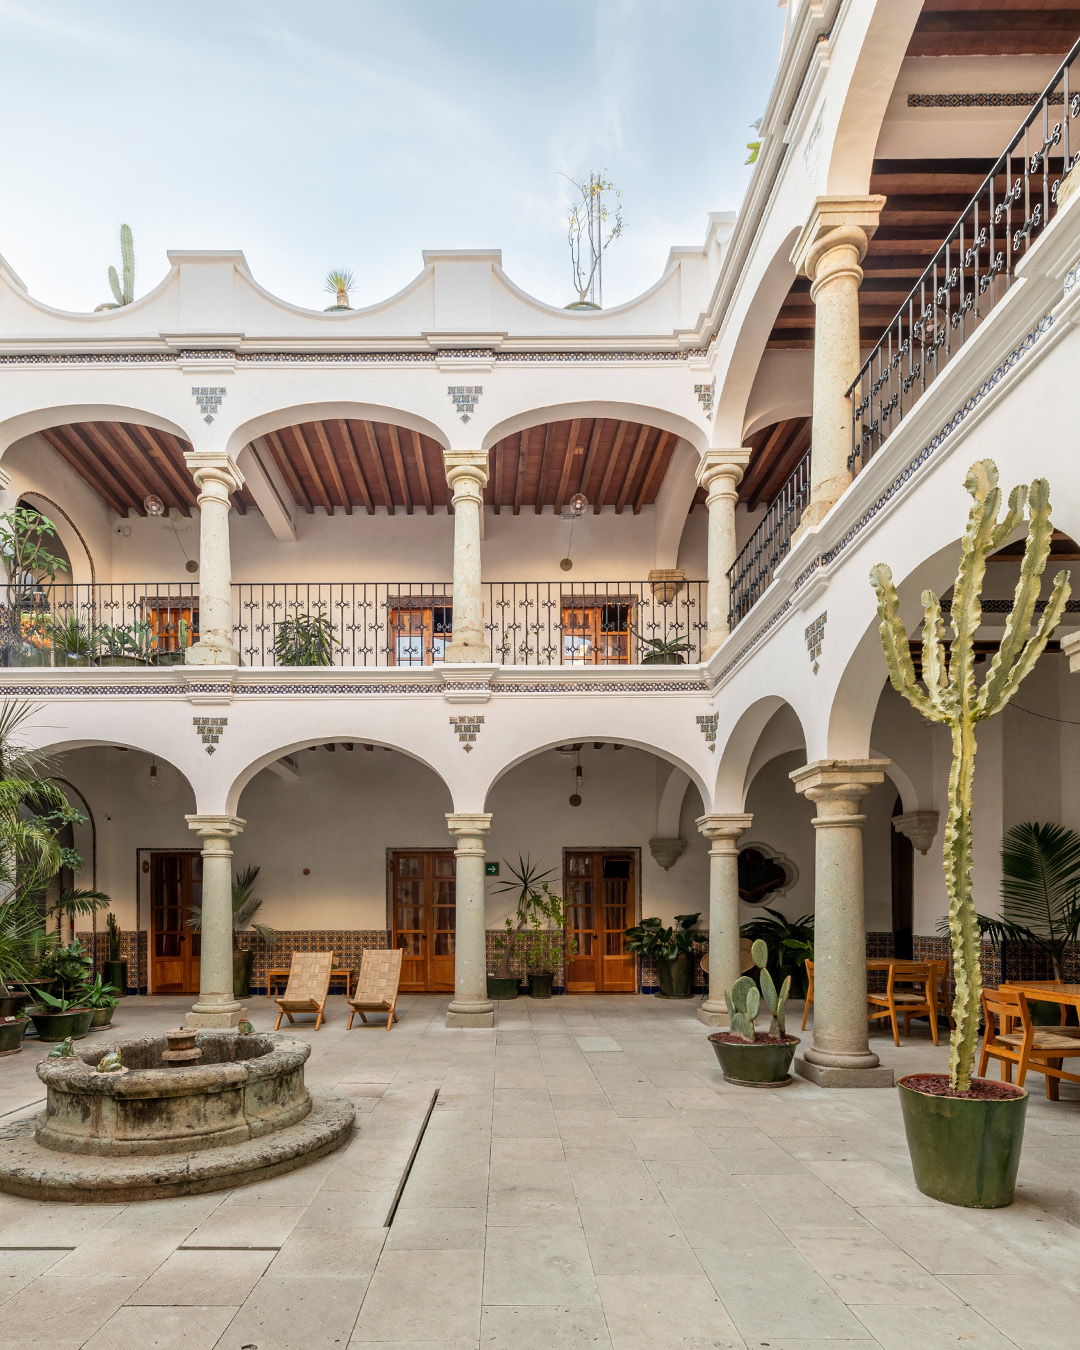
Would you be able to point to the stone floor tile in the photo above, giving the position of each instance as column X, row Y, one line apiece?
column 55, row 1225
column 314, row 1312
column 643, row 1238
column 728, row 1218
column 1034, row 1311
column 187, row 1328
column 188, row 1211
column 672, row 1309
column 777, row 1293
column 423, row 1295
column 943, row 1242
column 864, row 1267
column 536, row 1327
column 799, row 1204
column 710, row 1174
column 20, row 1268
column 352, row 1252
column 769, row 1159
column 123, row 1251
column 209, row 1278
column 247, row 1226
column 63, row 1316
column 931, row 1329
column 538, row 1267
column 432, row 1230
column 413, row 1345
column 866, row 1183
column 600, row 1178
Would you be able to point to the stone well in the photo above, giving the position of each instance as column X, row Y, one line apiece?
column 242, row 1114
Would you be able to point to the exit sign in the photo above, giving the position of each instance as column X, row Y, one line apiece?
column 491, row 869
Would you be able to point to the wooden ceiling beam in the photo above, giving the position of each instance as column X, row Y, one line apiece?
column 760, row 461
column 152, row 444
column 421, row 472
column 380, row 467
column 399, row 466
column 590, row 455
column 309, row 460
column 522, row 461
column 568, row 464
column 86, row 466
column 285, row 465
column 784, row 465
column 632, row 468
column 125, row 470
column 332, row 464
column 609, row 467
column 497, row 453
column 354, row 464
column 545, row 462
column 650, row 472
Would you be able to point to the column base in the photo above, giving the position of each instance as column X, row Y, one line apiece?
column 466, row 651
column 214, row 1017
column 470, row 1017
column 713, row 1015
column 208, row 654
column 832, row 1076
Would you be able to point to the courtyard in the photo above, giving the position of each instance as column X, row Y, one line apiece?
column 586, row 1180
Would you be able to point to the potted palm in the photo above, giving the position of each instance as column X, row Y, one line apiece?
column 671, row 950
column 115, row 969
column 747, row 1058
column 245, row 905
column 534, row 907
column 965, row 1133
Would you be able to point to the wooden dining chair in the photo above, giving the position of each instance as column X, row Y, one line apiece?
column 309, row 984
column 377, row 986
column 910, row 991
column 1011, row 1038
column 809, row 992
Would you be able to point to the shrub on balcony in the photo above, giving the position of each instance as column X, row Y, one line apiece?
column 305, row 640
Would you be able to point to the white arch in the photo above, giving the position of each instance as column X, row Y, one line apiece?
column 611, row 408
column 65, row 746
column 328, row 410
column 41, row 419
column 736, row 769
column 669, row 812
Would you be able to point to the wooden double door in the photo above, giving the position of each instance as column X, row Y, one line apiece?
column 175, row 886
column 423, row 899
column 600, row 890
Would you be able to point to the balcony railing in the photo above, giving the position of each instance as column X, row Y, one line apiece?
column 752, row 571
column 973, row 269
column 356, row 623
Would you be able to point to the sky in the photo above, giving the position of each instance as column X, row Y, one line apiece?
column 355, row 133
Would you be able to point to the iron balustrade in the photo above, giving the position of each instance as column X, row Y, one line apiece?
column 973, row 268
column 752, row 571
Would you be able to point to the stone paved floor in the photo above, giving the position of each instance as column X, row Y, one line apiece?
column 586, row 1181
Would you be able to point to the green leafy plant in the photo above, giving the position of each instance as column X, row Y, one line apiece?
column 661, row 651
column 531, row 887
column 305, row 640
column 790, row 942
column 245, row 905
column 25, row 536
column 743, row 999
column 72, row 637
column 123, row 290
column 951, row 696
column 72, row 904
column 101, row 995
column 754, row 146
column 68, row 964
column 114, row 937
column 66, row 1001
column 136, row 641
column 339, row 282
column 651, row 938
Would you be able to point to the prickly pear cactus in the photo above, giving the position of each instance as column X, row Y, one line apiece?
column 744, row 999
column 952, row 697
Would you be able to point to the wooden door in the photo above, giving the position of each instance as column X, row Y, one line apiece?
column 600, row 890
column 175, row 885
column 423, row 900
column 597, row 634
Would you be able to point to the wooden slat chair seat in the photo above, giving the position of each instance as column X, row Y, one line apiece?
column 919, row 1001
column 809, row 992
column 377, row 986
column 1040, row 1048
column 309, row 984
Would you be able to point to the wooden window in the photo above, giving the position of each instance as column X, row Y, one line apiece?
column 174, row 623
column 419, row 633
column 601, row 893
column 423, row 897
column 597, row 633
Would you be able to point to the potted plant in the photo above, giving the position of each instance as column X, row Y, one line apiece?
column 747, row 1058
column 68, row 964
column 671, row 950
column 25, row 535
column 790, row 943
column 530, row 885
column 662, row 652
column 965, row 1133
column 103, row 999
column 127, row 645
column 115, row 969
column 305, row 640
column 546, row 948
column 59, row 1016
column 339, row 282
column 245, row 905
column 73, row 642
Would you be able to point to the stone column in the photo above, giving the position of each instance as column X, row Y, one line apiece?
column 216, row 1006
column 720, row 473
column 467, row 474
column 217, row 477
column 841, row 1054
column 470, row 1006
column 724, row 965
column 829, row 250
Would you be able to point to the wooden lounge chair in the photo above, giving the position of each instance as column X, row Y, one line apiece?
column 809, row 992
column 377, row 986
column 309, row 984
column 1031, row 1047
column 911, row 991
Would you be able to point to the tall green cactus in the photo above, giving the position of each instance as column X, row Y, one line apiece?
column 124, row 294
column 952, row 697
column 744, row 1000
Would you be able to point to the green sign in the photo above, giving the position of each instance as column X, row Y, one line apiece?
column 491, row 869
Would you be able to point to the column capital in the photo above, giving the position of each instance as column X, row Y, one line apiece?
column 836, row 222
column 721, row 471
column 465, row 824
column 837, row 786
column 466, row 472
column 216, row 826
column 214, row 469
column 918, row 826
column 724, row 827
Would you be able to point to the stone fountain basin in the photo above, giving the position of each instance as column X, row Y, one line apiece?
column 243, row 1088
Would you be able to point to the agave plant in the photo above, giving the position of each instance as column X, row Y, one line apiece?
column 339, row 282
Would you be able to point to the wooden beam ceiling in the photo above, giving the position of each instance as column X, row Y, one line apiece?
column 995, row 28
column 774, row 452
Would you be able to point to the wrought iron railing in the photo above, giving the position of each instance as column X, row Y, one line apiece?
column 973, row 268
column 115, row 624
column 752, row 571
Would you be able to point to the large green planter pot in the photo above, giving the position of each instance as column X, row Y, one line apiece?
column 755, row 1063
column 540, row 985
column 964, row 1151
column 659, row 659
column 11, row 1035
column 242, row 964
column 11, row 1005
column 502, row 988
column 54, row 1026
column 102, row 1017
column 115, row 973
column 676, row 978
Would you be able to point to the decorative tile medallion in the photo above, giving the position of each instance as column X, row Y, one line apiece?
column 467, row 729
column 815, row 637
column 208, row 400
column 464, row 398
column 706, row 393
column 209, row 729
column 707, row 724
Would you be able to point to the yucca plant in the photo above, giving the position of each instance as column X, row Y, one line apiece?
column 339, row 282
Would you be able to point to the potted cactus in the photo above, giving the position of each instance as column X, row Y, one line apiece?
column 965, row 1133
column 115, row 968
column 748, row 1058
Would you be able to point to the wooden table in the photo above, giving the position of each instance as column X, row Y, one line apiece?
column 1065, row 996
column 279, row 975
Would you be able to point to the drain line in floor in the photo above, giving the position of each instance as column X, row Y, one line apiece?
column 412, row 1158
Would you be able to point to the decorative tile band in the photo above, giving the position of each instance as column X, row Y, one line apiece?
column 979, row 100
column 411, row 358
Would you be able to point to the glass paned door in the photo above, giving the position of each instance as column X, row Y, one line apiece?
column 423, row 900
column 175, row 886
column 420, row 634
column 597, row 634
column 600, row 891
